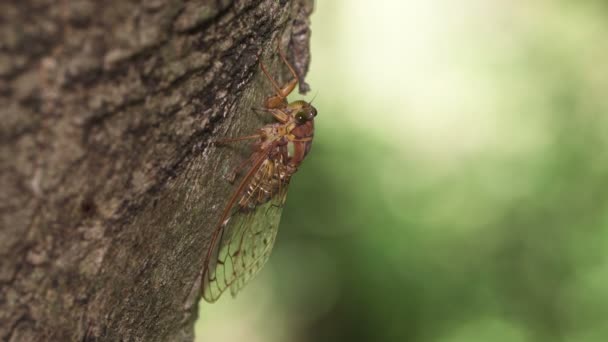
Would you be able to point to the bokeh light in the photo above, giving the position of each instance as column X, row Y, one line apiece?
column 456, row 187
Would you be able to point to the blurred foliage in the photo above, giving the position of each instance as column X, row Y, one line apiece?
column 456, row 188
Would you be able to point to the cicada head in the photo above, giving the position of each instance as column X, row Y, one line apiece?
column 303, row 112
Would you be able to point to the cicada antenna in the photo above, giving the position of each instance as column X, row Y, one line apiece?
column 314, row 97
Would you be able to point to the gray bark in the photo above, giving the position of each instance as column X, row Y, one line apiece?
column 109, row 190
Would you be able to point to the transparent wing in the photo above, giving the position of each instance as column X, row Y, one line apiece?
column 246, row 239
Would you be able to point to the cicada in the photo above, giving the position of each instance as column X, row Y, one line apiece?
column 246, row 231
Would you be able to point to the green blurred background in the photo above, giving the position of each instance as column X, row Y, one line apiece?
column 456, row 188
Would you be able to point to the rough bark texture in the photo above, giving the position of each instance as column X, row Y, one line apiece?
column 109, row 189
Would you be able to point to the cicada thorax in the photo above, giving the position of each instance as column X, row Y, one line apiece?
column 301, row 144
column 271, row 176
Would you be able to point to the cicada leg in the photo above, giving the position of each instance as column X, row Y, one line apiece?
column 231, row 140
column 277, row 113
column 231, row 177
column 278, row 100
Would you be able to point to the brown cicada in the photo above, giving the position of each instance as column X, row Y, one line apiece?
column 245, row 234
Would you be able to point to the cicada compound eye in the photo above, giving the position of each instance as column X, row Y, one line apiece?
column 301, row 118
column 313, row 111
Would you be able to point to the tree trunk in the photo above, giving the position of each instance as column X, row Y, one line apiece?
column 109, row 189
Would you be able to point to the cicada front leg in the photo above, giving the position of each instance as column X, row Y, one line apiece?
column 281, row 92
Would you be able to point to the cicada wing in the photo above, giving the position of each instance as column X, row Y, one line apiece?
column 257, row 232
column 246, row 240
